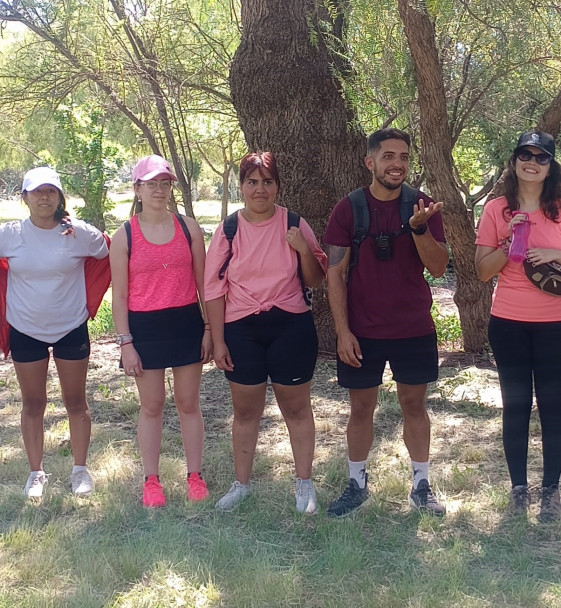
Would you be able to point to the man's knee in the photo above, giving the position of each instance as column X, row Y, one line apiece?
column 363, row 403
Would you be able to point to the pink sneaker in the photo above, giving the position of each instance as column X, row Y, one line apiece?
column 152, row 493
column 196, row 487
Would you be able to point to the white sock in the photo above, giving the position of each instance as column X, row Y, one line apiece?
column 357, row 471
column 78, row 467
column 306, row 482
column 420, row 471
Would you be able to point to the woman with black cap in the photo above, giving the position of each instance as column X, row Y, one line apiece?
column 46, row 307
column 525, row 324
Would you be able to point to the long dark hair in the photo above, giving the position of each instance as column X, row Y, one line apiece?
column 550, row 198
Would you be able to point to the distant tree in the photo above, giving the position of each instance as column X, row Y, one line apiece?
column 154, row 62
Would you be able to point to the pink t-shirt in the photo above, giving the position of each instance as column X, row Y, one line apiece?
column 515, row 297
column 160, row 276
column 263, row 270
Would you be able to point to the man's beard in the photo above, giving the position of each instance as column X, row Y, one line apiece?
column 387, row 184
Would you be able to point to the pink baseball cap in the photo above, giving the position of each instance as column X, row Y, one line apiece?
column 150, row 166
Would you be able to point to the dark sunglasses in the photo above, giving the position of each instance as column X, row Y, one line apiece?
column 541, row 159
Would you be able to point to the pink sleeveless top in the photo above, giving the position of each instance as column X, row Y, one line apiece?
column 160, row 276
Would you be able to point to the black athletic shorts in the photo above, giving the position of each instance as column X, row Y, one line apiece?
column 276, row 344
column 75, row 346
column 412, row 361
column 167, row 338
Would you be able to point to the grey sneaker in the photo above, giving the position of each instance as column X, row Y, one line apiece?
column 520, row 500
column 551, row 505
column 35, row 484
column 237, row 492
column 306, row 501
column 423, row 499
column 350, row 501
column 82, row 483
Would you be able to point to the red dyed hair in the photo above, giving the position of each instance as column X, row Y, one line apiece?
column 259, row 161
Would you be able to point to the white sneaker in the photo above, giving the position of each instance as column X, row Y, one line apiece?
column 306, row 501
column 36, row 482
column 82, row 483
column 237, row 492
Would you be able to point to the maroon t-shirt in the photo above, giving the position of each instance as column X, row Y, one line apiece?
column 386, row 300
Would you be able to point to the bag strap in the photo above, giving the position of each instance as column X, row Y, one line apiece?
column 293, row 219
column 230, row 227
column 407, row 201
column 181, row 221
column 127, row 226
column 361, row 223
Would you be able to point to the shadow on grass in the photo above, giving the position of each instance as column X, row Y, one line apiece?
column 109, row 551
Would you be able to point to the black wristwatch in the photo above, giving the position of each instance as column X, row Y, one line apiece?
column 419, row 230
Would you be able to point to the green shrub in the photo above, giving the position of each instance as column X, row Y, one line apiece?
column 103, row 322
column 448, row 327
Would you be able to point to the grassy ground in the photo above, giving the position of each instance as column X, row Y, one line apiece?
column 107, row 551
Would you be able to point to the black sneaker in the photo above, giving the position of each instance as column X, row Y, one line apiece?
column 551, row 505
column 520, row 499
column 350, row 501
column 425, row 500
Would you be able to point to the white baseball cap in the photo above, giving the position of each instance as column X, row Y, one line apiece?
column 40, row 176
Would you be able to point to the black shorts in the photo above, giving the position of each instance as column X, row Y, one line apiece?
column 167, row 338
column 276, row 344
column 75, row 346
column 412, row 361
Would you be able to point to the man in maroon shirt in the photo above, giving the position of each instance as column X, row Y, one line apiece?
column 381, row 308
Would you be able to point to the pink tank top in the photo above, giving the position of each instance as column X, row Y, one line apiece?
column 160, row 276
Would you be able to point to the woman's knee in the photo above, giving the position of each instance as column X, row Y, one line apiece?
column 152, row 409
column 76, row 406
column 34, row 407
column 188, row 406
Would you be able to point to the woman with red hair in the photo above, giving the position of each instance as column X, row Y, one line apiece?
column 261, row 325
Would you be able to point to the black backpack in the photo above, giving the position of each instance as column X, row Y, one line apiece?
column 230, row 227
column 361, row 217
column 179, row 218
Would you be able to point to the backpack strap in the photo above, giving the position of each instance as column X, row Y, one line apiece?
column 184, row 226
column 127, row 226
column 407, row 201
column 361, row 223
column 293, row 219
column 181, row 221
column 230, row 227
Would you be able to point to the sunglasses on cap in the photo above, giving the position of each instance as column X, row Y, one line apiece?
column 541, row 159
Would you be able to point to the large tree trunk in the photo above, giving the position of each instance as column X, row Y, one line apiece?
column 473, row 298
column 288, row 101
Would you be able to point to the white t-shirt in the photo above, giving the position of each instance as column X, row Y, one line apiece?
column 46, row 296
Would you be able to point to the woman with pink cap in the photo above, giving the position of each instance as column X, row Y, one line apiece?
column 157, row 265
column 46, row 307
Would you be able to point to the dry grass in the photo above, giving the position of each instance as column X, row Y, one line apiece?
column 108, row 551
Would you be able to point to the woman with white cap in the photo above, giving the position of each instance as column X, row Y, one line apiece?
column 46, row 307
column 157, row 265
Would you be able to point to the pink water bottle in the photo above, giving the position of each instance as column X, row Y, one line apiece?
column 519, row 244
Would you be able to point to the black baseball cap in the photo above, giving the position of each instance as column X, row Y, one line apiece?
column 538, row 139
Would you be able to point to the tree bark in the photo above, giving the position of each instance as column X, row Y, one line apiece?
column 288, row 102
column 472, row 297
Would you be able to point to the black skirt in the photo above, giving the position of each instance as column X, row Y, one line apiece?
column 168, row 338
